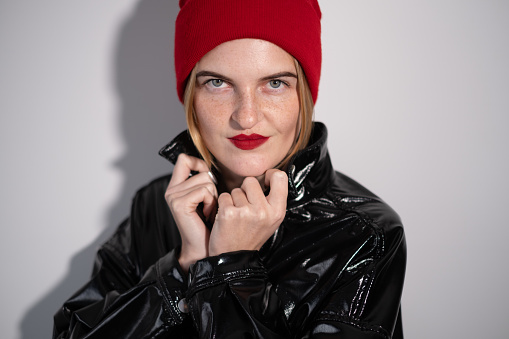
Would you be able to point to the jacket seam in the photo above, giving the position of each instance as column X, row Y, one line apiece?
column 369, row 222
column 171, row 306
column 364, row 290
column 225, row 278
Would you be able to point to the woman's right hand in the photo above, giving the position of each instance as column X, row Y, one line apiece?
column 183, row 195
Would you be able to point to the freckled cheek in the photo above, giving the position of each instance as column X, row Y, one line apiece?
column 286, row 116
column 211, row 113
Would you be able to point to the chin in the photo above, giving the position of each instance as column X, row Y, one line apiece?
column 248, row 170
column 247, row 165
column 251, row 172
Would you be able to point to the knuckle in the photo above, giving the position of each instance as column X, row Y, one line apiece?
column 229, row 212
column 175, row 204
column 279, row 216
column 261, row 214
column 280, row 175
column 182, row 160
column 211, row 187
column 204, row 190
column 245, row 212
column 168, row 195
column 171, row 192
column 182, row 157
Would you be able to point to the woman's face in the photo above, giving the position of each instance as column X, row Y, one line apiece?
column 247, row 106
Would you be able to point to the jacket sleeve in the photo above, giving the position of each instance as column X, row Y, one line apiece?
column 230, row 296
column 115, row 303
column 128, row 296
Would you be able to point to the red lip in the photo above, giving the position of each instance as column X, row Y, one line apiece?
column 247, row 142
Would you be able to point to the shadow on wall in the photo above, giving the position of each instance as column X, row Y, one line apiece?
column 151, row 115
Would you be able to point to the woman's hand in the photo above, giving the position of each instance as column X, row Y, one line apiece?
column 246, row 219
column 183, row 196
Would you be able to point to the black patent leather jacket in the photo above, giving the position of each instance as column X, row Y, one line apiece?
column 334, row 269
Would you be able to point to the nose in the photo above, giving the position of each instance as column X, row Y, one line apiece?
column 246, row 114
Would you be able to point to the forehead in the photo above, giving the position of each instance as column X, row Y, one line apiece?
column 245, row 56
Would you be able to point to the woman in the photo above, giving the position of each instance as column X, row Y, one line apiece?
column 254, row 234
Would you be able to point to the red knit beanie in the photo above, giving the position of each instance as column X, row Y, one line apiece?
column 293, row 25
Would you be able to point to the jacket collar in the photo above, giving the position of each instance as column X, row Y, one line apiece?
column 308, row 171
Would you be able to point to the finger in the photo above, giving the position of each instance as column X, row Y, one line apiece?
column 253, row 190
column 200, row 179
column 209, row 207
column 173, row 195
column 278, row 182
column 224, row 201
column 183, row 167
column 239, row 197
column 189, row 201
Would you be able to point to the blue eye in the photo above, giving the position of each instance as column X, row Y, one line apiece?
column 216, row 82
column 275, row 83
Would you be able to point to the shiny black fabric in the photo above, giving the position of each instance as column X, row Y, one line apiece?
column 334, row 269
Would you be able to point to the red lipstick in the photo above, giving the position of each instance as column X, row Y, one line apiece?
column 247, row 142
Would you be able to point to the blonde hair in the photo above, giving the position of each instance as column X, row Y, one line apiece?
column 306, row 110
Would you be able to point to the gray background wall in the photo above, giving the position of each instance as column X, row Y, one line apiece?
column 416, row 95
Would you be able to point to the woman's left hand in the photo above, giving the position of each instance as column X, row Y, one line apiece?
column 246, row 218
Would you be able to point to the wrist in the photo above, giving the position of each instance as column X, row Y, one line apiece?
column 187, row 258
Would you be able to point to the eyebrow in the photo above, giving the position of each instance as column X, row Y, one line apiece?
column 280, row 75
column 212, row 74
column 266, row 78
